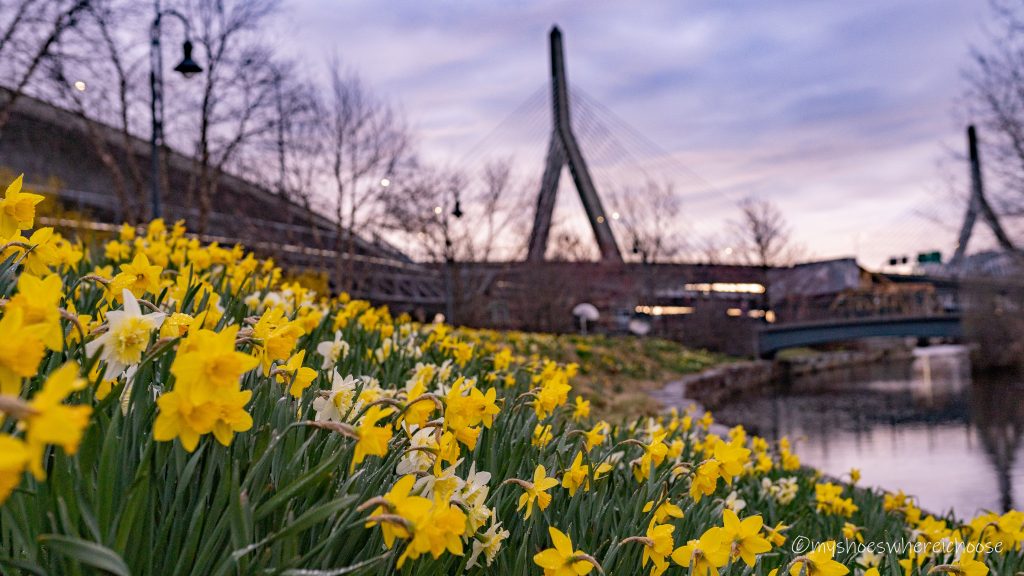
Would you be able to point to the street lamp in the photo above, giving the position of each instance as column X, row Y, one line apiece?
column 187, row 68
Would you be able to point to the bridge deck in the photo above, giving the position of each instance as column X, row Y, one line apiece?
column 771, row 339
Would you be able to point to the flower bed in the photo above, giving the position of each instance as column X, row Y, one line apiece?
column 178, row 408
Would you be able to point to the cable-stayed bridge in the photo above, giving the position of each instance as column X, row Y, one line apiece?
column 591, row 151
column 636, row 200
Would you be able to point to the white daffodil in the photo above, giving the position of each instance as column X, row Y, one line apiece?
column 475, row 489
column 126, row 338
column 869, row 558
column 332, row 351
column 734, row 502
column 488, row 543
column 447, row 482
column 339, row 400
column 417, row 460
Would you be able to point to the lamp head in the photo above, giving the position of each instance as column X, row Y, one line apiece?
column 188, row 67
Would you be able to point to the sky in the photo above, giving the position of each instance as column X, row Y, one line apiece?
column 839, row 112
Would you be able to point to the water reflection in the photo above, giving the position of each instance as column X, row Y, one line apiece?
column 924, row 426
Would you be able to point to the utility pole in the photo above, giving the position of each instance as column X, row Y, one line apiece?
column 563, row 149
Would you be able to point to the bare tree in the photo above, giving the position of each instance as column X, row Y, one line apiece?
column 29, row 30
column 650, row 217
column 367, row 149
column 763, row 236
column 420, row 212
column 99, row 50
column 996, row 100
column 236, row 98
column 570, row 246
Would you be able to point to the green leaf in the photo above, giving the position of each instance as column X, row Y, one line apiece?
column 88, row 553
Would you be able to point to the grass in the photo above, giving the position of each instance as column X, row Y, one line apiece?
column 616, row 373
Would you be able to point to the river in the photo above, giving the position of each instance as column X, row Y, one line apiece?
column 925, row 426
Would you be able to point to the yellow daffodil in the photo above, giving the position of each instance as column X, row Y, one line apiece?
column 744, row 536
column 578, row 475
column 293, row 372
column 536, row 491
column 20, row 351
column 666, row 510
column 14, row 457
column 277, row 336
column 596, row 435
column 562, row 560
column 373, row 439
column 17, row 209
column 39, row 301
column 582, row 409
column 658, row 546
column 704, row 556
column 53, row 422
column 137, row 276
column 819, row 562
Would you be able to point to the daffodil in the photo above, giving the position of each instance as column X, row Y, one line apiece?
column 658, row 546
column 578, row 475
column 210, row 359
column 127, row 336
column 373, row 439
column 536, row 491
column 400, row 502
column 20, row 351
column 666, row 510
column 176, row 325
column 705, row 479
column 744, row 537
column 332, row 351
column 14, row 457
column 706, row 555
column 138, row 276
column 334, row 405
column 563, row 560
column 298, row 377
column 596, row 435
column 53, row 422
column 39, row 301
column 277, row 336
column 488, row 544
column 582, row 409
column 968, row 564
column 17, row 209
column 191, row 410
column 819, row 562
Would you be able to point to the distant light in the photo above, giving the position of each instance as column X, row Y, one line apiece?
column 615, row 215
column 80, row 86
column 385, row 182
column 734, row 312
column 600, row 219
column 437, row 210
column 664, row 310
column 729, row 287
column 727, row 251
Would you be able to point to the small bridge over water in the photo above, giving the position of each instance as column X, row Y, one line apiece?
column 773, row 338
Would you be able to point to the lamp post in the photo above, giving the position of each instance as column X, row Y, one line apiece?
column 187, row 68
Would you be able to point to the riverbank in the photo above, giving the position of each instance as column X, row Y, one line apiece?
column 716, row 385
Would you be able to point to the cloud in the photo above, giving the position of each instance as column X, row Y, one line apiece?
column 835, row 110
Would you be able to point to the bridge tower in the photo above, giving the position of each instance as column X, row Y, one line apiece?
column 563, row 149
column 978, row 203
